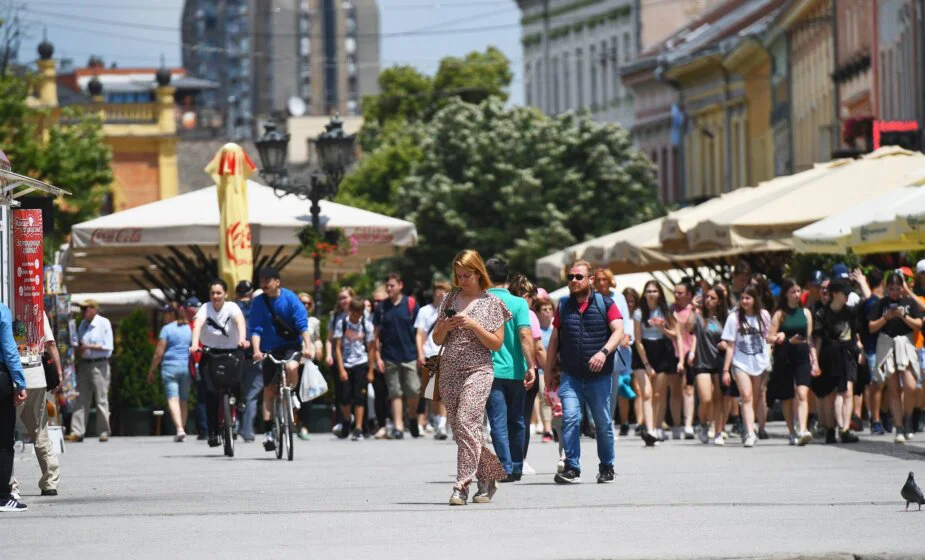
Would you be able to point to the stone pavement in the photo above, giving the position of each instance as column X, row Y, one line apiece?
column 152, row 498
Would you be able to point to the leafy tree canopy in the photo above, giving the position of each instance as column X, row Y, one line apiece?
column 71, row 155
column 516, row 183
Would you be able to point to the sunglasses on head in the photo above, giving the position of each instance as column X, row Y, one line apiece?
column 578, row 277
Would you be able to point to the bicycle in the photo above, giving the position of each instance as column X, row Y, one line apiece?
column 283, row 423
column 226, row 381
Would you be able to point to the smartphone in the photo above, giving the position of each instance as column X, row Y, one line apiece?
column 449, row 312
column 893, row 305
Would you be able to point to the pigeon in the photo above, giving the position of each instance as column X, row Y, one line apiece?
column 912, row 493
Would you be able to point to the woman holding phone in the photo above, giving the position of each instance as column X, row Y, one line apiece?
column 795, row 361
column 894, row 320
column 470, row 326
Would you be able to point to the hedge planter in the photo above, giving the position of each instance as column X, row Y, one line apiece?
column 136, row 421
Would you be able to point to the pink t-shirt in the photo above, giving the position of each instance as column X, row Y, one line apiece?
column 535, row 326
column 682, row 315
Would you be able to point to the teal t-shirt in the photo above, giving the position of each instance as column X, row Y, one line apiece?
column 509, row 361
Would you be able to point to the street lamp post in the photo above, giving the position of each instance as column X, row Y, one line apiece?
column 335, row 154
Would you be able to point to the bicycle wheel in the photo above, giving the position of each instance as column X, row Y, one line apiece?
column 287, row 402
column 227, row 424
column 277, row 430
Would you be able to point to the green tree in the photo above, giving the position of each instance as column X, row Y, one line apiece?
column 516, row 183
column 73, row 154
column 391, row 131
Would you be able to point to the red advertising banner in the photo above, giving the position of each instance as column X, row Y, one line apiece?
column 28, row 288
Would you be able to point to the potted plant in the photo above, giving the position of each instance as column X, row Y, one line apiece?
column 134, row 398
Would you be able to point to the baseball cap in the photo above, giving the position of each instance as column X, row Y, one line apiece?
column 817, row 278
column 244, row 287
column 268, row 273
column 192, row 301
column 920, row 267
column 841, row 270
column 166, row 309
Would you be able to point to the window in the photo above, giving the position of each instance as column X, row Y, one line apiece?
column 528, row 84
column 555, row 85
column 615, row 61
column 592, row 55
column 580, row 79
column 604, row 97
column 627, row 47
column 566, row 83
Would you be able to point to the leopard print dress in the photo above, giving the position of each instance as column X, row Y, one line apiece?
column 466, row 375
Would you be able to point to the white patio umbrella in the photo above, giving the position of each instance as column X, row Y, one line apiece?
column 864, row 223
column 106, row 252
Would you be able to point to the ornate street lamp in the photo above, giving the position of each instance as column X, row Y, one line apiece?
column 335, row 154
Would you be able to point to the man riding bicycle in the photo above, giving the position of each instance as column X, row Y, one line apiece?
column 220, row 325
column 279, row 327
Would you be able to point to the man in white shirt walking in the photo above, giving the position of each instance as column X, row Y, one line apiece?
column 93, row 376
column 427, row 348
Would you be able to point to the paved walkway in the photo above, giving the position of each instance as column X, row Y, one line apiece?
column 152, row 498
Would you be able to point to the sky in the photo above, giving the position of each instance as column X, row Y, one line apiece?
column 139, row 32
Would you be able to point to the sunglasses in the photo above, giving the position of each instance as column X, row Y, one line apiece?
column 578, row 277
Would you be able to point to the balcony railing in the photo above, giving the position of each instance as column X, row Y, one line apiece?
column 129, row 113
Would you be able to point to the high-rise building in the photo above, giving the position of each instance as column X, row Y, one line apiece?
column 264, row 53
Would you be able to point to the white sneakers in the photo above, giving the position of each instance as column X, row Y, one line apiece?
column 719, row 440
column 750, row 440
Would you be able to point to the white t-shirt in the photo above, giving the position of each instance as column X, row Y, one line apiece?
column 427, row 316
column 211, row 335
column 751, row 350
column 35, row 376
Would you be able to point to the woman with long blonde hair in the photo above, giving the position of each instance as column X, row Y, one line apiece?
column 470, row 326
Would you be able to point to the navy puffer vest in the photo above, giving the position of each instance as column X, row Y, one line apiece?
column 581, row 336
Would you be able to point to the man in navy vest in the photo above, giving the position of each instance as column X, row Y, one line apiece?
column 588, row 329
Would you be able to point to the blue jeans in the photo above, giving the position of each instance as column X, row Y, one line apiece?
column 506, row 414
column 253, row 385
column 595, row 391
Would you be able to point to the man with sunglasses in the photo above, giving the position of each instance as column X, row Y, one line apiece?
column 588, row 329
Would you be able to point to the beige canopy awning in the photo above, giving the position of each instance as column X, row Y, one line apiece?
column 714, row 230
column 867, row 178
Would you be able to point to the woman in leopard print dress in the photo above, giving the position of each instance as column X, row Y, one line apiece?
column 466, row 372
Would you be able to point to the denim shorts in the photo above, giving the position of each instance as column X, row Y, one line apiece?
column 176, row 383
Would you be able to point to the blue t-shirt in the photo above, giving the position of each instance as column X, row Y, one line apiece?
column 176, row 354
column 288, row 309
column 396, row 330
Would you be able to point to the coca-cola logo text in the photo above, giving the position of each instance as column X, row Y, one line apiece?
column 238, row 240
column 113, row 236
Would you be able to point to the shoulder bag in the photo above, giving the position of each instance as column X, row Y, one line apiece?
column 284, row 331
column 52, row 379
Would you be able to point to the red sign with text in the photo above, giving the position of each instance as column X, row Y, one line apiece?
column 28, row 288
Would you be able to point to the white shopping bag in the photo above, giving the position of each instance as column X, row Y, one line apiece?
column 429, row 390
column 56, row 435
column 313, row 383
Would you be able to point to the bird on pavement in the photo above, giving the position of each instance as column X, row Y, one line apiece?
column 912, row 493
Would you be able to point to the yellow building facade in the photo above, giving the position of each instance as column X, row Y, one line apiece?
column 143, row 136
column 807, row 25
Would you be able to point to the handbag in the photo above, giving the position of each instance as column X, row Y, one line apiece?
column 430, row 377
column 52, row 379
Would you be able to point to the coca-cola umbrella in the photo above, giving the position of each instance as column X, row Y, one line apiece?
column 172, row 243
